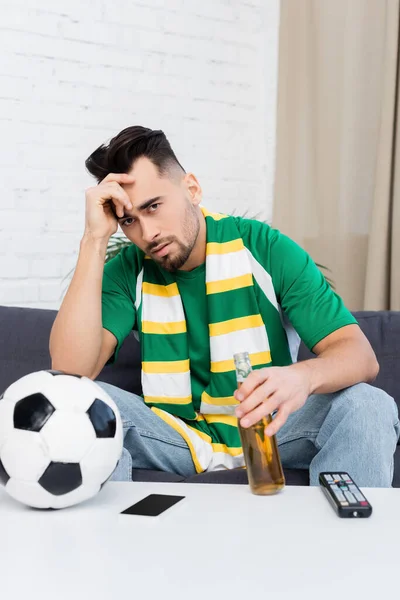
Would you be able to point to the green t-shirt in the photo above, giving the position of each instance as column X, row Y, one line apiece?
column 312, row 307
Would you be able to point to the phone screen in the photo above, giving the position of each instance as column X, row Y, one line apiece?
column 153, row 505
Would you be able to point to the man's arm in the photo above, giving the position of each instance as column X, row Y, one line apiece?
column 76, row 335
column 344, row 358
column 78, row 342
column 317, row 313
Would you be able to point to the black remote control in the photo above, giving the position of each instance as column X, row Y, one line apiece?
column 344, row 495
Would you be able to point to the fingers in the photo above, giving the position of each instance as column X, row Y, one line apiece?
column 279, row 420
column 118, row 178
column 255, row 379
column 253, row 416
column 112, row 191
column 258, row 396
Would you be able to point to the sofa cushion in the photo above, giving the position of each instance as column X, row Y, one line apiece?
column 24, row 346
column 233, row 476
column 126, row 372
column 292, row 477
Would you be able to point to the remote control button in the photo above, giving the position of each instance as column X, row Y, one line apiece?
column 363, row 503
column 356, row 493
column 350, row 498
column 338, row 494
column 344, row 476
column 337, row 477
column 328, row 478
column 344, row 503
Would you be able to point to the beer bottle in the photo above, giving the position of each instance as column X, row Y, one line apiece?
column 261, row 454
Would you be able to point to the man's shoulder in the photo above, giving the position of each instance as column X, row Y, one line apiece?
column 254, row 232
column 260, row 234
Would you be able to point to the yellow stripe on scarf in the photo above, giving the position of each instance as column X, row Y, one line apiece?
column 225, row 419
column 164, row 328
column 226, row 285
column 173, row 366
column 220, row 401
column 235, row 325
column 224, row 247
column 167, row 400
column 258, row 358
column 215, row 216
column 227, row 450
column 166, row 291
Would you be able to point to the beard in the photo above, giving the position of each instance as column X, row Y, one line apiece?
column 175, row 260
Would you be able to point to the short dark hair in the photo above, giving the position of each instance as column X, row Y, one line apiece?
column 120, row 154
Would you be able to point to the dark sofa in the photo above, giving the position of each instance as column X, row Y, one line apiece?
column 24, row 348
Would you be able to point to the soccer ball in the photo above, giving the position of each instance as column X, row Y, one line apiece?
column 60, row 439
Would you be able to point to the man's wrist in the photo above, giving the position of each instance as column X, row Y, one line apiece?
column 307, row 368
column 100, row 244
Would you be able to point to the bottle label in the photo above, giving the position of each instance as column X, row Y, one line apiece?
column 242, row 371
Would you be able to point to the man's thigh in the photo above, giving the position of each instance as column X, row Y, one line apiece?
column 149, row 442
column 296, row 438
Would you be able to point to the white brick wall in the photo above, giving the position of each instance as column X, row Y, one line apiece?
column 74, row 73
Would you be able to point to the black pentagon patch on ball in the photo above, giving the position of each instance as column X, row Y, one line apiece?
column 103, row 419
column 61, row 478
column 32, row 412
column 4, row 476
column 55, row 373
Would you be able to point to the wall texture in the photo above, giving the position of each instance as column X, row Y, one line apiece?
column 74, row 73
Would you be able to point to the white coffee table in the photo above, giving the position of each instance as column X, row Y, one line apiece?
column 220, row 542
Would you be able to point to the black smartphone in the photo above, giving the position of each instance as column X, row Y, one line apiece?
column 153, row 505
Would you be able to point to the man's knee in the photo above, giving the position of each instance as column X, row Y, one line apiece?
column 370, row 403
column 108, row 387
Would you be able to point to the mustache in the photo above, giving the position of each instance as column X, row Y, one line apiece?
column 163, row 242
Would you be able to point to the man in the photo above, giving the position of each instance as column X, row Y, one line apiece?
column 198, row 287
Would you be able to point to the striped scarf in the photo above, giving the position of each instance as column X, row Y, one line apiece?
column 235, row 325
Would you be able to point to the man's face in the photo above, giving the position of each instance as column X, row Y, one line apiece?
column 164, row 221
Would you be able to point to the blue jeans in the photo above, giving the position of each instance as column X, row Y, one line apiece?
column 354, row 430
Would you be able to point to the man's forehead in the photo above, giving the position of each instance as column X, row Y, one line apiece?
column 144, row 190
column 144, row 167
